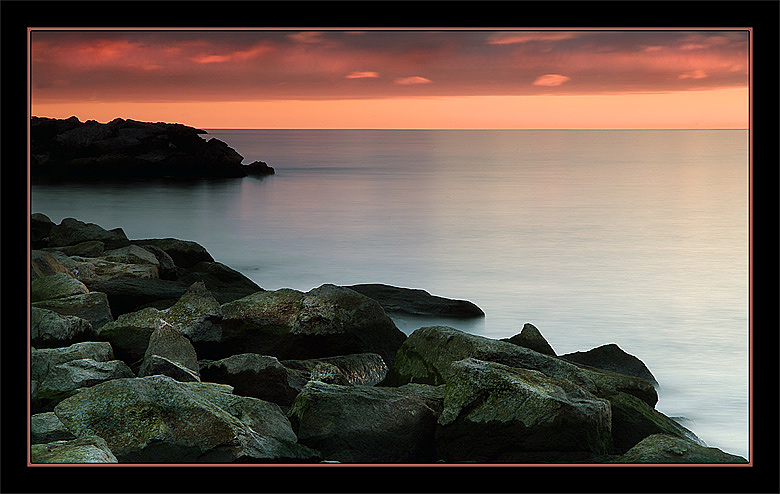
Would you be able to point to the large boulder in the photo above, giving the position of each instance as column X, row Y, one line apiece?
column 666, row 449
column 368, row 424
column 495, row 413
column 170, row 353
column 133, row 294
column 531, row 337
column 323, row 322
column 184, row 253
column 64, row 379
column 87, row 449
column 427, row 354
column 92, row 306
column 56, row 285
column 71, row 231
column 416, row 301
column 50, row 329
column 260, row 376
column 611, row 357
column 633, row 420
column 157, row 419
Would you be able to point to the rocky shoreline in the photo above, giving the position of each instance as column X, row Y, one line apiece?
column 150, row 351
column 71, row 149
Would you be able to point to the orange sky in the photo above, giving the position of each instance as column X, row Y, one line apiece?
column 395, row 79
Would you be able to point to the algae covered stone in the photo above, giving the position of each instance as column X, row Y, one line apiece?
column 87, row 449
column 496, row 413
column 664, row 449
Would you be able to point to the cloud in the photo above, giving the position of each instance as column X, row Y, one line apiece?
column 525, row 37
column 362, row 75
column 407, row 81
column 693, row 74
column 550, row 80
column 235, row 56
column 306, row 37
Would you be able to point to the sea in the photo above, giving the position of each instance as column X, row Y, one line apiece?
column 634, row 237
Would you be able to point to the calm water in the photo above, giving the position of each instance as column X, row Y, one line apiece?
column 638, row 238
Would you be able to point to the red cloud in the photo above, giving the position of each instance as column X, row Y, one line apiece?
column 407, row 81
column 550, row 80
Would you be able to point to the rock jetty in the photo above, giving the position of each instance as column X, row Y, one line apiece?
column 149, row 351
column 69, row 148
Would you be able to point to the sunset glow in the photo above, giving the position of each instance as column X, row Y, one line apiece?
column 395, row 78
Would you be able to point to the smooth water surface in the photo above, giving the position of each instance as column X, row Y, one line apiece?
column 638, row 238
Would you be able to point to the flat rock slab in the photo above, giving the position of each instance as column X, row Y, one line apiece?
column 417, row 302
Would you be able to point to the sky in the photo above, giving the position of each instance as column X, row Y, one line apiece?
column 478, row 79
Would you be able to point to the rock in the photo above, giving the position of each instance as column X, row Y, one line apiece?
column 496, row 413
column 42, row 360
column 224, row 283
column 165, row 265
column 662, row 448
column 90, row 248
column 63, row 379
column 158, row 365
column 611, row 357
column 361, row 368
column 96, row 269
column 196, row 315
column 91, row 306
column 71, row 231
column 87, row 449
column 417, row 302
column 259, row 376
column 71, row 149
column 367, row 424
column 260, row 168
column 427, row 354
column 133, row 294
column 44, row 263
column 54, row 286
column 157, row 419
column 323, row 322
column 633, row 420
column 167, row 342
column 40, row 226
column 184, row 253
column 131, row 254
column 329, row 374
column 46, row 428
column 49, row 329
column 530, row 337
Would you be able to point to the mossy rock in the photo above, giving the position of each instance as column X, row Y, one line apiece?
column 663, row 449
column 55, row 286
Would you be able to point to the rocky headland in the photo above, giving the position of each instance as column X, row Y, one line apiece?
column 69, row 148
column 151, row 351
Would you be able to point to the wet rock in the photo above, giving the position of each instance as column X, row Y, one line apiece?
column 40, row 226
column 54, row 286
column 496, row 413
column 417, row 302
column 611, row 357
column 63, row 379
column 323, row 322
column 184, row 253
column 361, row 368
column 530, row 337
column 367, row 424
column 665, row 449
column 92, row 306
column 260, row 376
column 87, row 449
column 167, row 342
column 224, row 283
column 71, row 231
column 42, row 360
column 427, row 354
column 44, row 263
column 157, row 419
column 50, row 329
